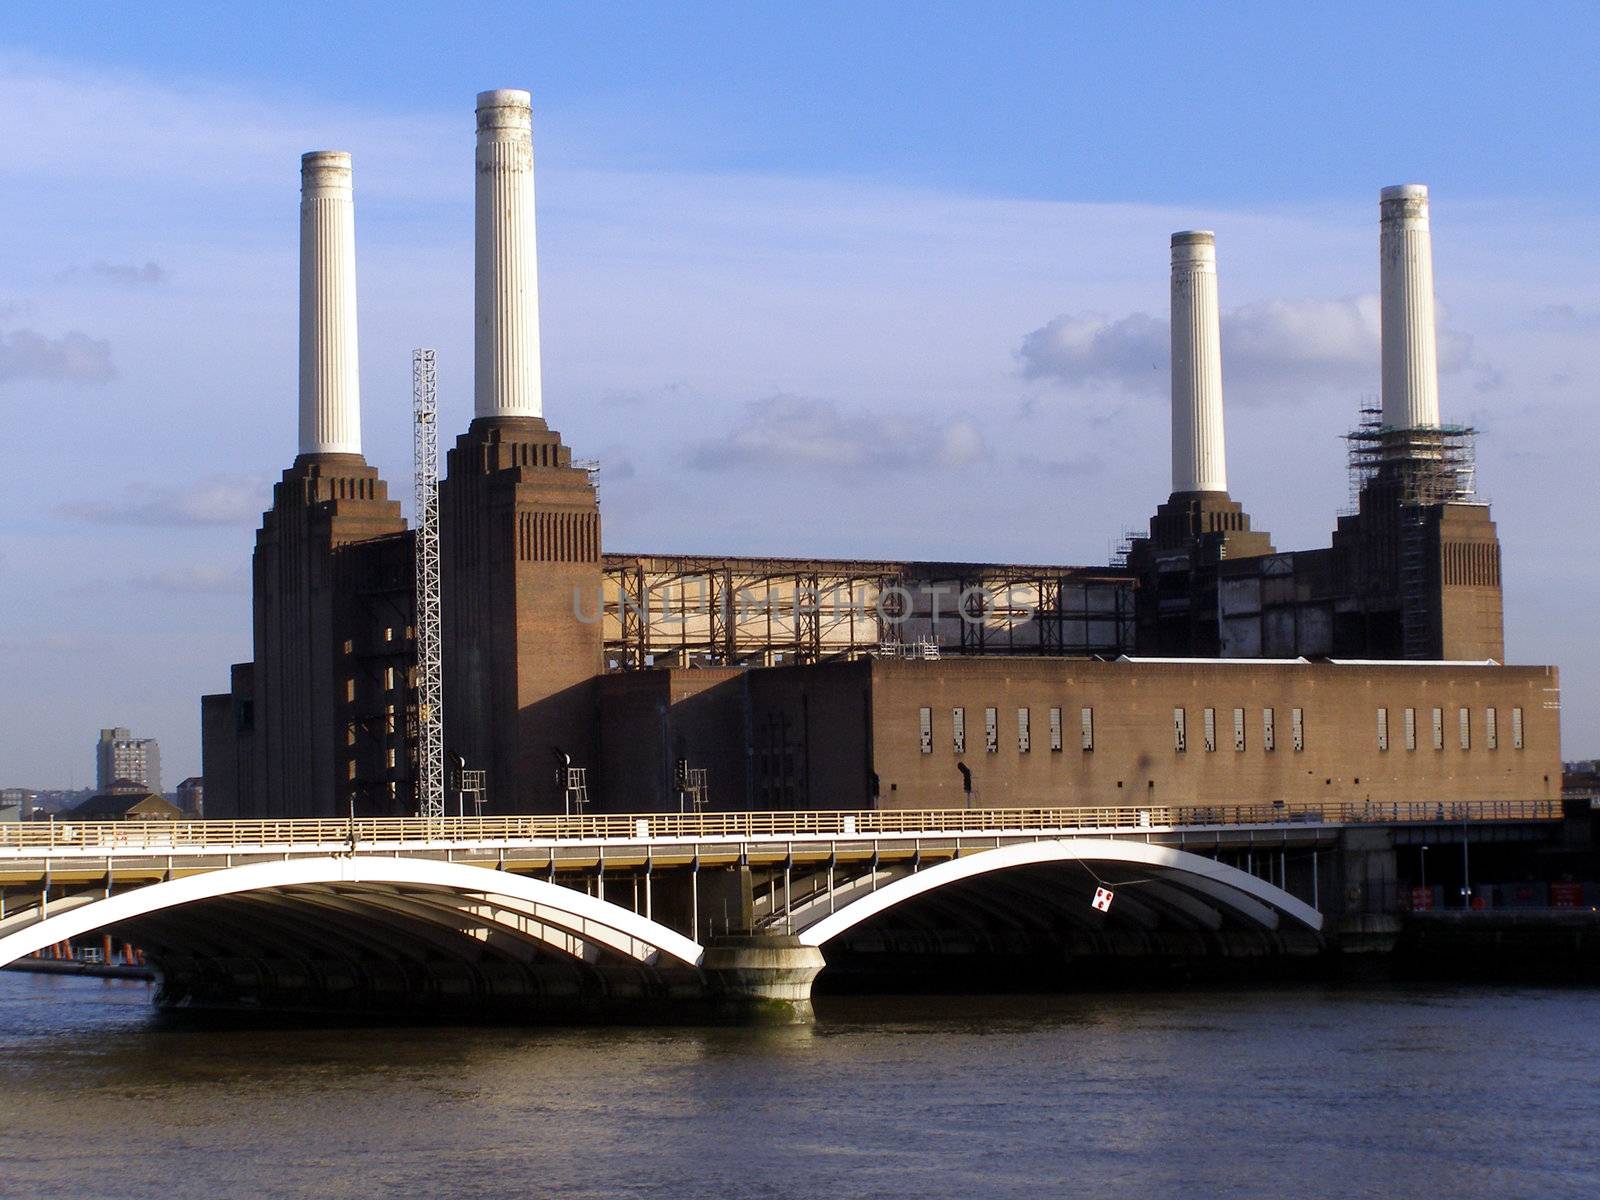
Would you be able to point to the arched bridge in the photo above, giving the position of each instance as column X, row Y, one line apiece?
column 575, row 916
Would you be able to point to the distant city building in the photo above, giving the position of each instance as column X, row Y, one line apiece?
column 190, row 796
column 120, row 755
column 126, row 800
column 16, row 804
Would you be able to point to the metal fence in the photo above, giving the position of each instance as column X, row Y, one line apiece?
column 711, row 826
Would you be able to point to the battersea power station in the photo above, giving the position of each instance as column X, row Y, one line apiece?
column 1204, row 666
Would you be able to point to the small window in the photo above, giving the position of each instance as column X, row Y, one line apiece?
column 1269, row 737
column 1491, row 729
column 1297, row 728
column 1411, row 729
column 1464, row 721
column 350, row 769
column 1438, row 729
column 1024, row 737
column 388, row 633
column 1180, row 733
column 925, row 721
column 388, row 678
column 349, row 647
column 1516, row 728
column 1088, row 728
column 349, row 691
column 1383, row 729
column 391, row 758
column 958, row 729
column 991, row 730
column 1055, row 729
column 1238, row 729
column 1209, row 718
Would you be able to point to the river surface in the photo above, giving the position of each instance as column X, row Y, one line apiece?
column 1282, row 1093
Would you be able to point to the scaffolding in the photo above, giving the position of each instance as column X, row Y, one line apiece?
column 691, row 611
column 1429, row 464
column 430, row 676
column 1414, row 470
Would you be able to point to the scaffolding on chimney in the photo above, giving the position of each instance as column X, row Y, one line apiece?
column 430, row 672
column 1431, row 464
column 1418, row 470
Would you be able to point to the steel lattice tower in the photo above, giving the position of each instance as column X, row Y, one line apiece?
column 430, row 675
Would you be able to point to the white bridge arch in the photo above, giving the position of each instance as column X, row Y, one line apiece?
column 1208, row 880
column 467, row 899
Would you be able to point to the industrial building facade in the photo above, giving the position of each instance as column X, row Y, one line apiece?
column 1368, row 670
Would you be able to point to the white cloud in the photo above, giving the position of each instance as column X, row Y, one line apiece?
column 73, row 357
column 150, row 272
column 1271, row 350
column 212, row 500
column 193, row 578
column 787, row 430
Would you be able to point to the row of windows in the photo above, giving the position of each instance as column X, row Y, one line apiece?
column 1464, row 735
column 1241, row 734
column 392, row 678
column 991, row 730
column 1241, row 738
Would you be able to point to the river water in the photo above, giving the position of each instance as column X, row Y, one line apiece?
column 1282, row 1093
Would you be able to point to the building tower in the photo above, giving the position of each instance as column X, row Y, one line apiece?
column 1421, row 551
column 1200, row 525
column 328, row 685
column 520, row 524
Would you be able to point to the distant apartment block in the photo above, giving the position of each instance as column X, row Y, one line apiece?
column 120, row 755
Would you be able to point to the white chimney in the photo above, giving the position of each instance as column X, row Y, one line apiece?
column 506, row 336
column 330, row 377
column 1410, row 348
column 1199, row 463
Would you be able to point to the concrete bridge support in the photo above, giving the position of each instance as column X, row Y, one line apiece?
column 762, row 977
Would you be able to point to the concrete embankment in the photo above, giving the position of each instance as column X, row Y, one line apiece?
column 66, row 966
column 1544, row 945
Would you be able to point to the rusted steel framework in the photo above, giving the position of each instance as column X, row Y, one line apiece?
column 684, row 610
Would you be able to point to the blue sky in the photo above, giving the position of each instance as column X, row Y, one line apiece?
column 894, row 275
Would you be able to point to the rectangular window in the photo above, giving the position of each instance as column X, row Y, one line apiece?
column 1383, row 729
column 349, row 691
column 388, row 633
column 991, row 730
column 1464, row 720
column 388, row 719
column 350, row 769
column 1297, row 728
column 1491, row 729
column 1411, row 729
column 349, row 646
column 1238, row 729
column 1180, row 733
column 1516, row 728
column 925, row 722
column 1438, row 729
column 388, row 678
column 1088, row 728
column 958, row 729
column 1055, row 729
column 391, row 758
column 1209, row 725
column 1024, row 736
column 1269, row 737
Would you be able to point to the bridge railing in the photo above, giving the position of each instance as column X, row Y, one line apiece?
column 713, row 826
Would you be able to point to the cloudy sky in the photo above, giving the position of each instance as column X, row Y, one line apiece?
column 831, row 280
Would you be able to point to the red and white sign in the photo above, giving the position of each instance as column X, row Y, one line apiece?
column 1102, row 899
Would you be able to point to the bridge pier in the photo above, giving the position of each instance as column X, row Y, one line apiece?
column 761, row 977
